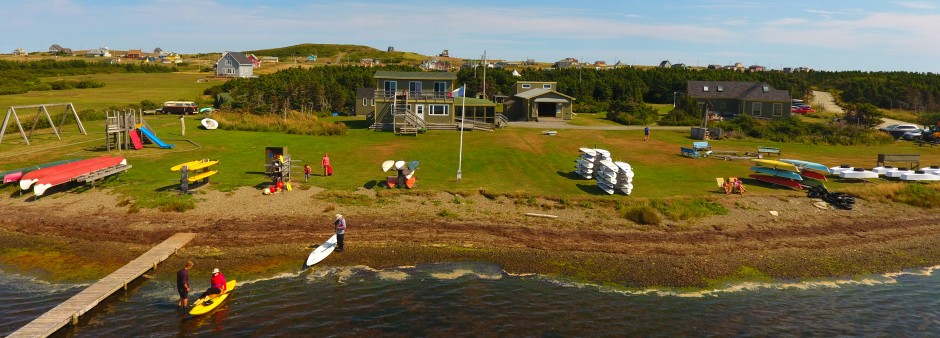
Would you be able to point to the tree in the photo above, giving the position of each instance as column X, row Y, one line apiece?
column 863, row 115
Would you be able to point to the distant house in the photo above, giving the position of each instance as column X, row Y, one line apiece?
column 255, row 61
column 311, row 58
column 620, row 64
column 157, row 51
column 56, row 49
column 20, row 51
column 433, row 64
column 233, row 64
column 368, row 62
column 99, row 52
column 269, row 59
column 665, row 64
column 714, row 66
column 730, row 98
column 566, row 63
column 444, row 54
column 755, row 68
column 134, row 54
column 533, row 100
column 391, row 48
column 679, row 66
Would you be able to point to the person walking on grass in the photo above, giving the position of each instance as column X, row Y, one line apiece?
column 339, row 222
column 306, row 172
column 182, row 284
column 646, row 133
column 327, row 170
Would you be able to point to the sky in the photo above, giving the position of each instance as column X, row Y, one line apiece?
column 830, row 35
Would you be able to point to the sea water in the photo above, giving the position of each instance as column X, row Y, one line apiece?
column 474, row 299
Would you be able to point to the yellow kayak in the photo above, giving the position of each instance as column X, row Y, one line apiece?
column 776, row 165
column 194, row 165
column 204, row 305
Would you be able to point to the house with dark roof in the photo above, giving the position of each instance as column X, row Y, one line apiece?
column 365, row 101
column 534, row 100
column 134, row 54
column 730, row 98
column 405, row 102
column 233, row 64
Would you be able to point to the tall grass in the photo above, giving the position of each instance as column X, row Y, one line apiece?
column 916, row 194
column 295, row 123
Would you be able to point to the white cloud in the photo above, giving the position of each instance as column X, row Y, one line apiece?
column 916, row 4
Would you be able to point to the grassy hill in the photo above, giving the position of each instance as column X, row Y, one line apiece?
column 340, row 53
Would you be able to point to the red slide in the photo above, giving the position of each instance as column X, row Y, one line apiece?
column 135, row 139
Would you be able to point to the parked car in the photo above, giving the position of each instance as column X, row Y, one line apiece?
column 897, row 130
column 913, row 134
column 802, row 110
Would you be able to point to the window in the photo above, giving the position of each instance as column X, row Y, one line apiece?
column 373, row 102
column 766, row 89
column 365, row 102
column 705, row 88
column 755, row 108
column 526, row 85
column 778, row 109
column 724, row 105
column 440, row 87
column 546, row 86
column 721, row 89
column 437, row 109
column 414, row 87
column 229, row 70
column 228, row 62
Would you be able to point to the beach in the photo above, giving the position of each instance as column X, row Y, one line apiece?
column 83, row 236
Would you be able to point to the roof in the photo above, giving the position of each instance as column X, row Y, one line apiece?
column 415, row 75
column 239, row 57
column 539, row 92
column 752, row 91
column 365, row 92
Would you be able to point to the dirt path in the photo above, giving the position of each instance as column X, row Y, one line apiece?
column 825, row 102
column 265, row 235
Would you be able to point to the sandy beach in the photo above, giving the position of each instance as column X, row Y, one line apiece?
column 84, row 236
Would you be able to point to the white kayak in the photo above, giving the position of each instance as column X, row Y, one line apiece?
column 321, row 252
column 209, row 124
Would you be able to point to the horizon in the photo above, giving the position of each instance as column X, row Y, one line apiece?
column 830, row 36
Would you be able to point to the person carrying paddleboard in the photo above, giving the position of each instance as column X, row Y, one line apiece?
column 339, row 222
column 216, row 284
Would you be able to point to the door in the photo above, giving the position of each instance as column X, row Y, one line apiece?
column 419, row 110
column 390, row 88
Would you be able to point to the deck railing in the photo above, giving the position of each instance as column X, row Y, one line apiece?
column 414, row 95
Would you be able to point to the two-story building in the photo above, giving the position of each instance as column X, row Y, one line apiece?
column 730, row 98
column 233, row 64
column 533, row 100
column 405, row 102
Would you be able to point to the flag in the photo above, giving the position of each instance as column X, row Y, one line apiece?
column 457, row 92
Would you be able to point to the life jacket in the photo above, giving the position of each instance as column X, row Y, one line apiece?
column 218, row 281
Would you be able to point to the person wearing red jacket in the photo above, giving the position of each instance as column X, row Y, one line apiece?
column 217, row 284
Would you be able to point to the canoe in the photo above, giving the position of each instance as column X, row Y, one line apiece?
column 778, row 172
column 858, row 173
column 808, row 165
column 786, row 182
column 15, row 174
column 28, row 179
column 776, row 165
column 65, row 176
column 204, row 305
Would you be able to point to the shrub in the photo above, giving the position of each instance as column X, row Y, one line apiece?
column 684, row 209
column 643, row 214
column 295, row 123
column 793, row 129
column 631, row 113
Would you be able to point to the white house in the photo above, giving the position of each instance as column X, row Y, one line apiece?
column 101, row 52
column 20, row 51
column 233, row 64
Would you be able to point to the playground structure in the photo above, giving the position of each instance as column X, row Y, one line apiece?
column 41, row 111
column 127, row 128
column 278, row 168
column 190, row 173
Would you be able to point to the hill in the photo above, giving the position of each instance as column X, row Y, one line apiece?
column 340, row 53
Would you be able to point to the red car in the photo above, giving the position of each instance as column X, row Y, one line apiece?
column 802, row 110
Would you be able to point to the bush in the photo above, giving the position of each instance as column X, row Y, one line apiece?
column 684, row 209
column 631, row 113
column 643, row 214
column 793, row 129
column 295, row 123
column 679, row 117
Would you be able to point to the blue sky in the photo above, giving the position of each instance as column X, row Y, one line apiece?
column 824, row 35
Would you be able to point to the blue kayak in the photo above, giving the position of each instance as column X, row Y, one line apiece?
column 778, row 172
column 808, row 165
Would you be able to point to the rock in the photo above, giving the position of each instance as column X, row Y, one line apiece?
column 774, row 213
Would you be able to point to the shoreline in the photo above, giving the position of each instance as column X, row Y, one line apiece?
column 57, row 239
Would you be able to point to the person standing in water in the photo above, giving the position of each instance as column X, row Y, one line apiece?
column 182, row 284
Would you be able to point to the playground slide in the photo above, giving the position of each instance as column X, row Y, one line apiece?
column 153, row 138
column 135, row 139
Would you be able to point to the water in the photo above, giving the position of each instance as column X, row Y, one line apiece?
column 470, row 299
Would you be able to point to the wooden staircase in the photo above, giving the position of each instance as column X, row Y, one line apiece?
column 405, row 121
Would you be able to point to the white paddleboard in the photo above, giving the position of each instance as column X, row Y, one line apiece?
column 399, row 164
column 321, row 251
column 387, row 165
column 210, row 124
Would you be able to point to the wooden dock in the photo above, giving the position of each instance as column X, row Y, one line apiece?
column 84, row 301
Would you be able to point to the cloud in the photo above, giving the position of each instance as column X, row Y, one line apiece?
column 916, row 5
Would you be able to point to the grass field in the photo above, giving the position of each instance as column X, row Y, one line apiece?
column 509, row 160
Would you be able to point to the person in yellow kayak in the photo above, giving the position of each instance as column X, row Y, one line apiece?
column 217, row 285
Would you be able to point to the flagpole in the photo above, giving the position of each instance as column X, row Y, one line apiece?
column 463, row 109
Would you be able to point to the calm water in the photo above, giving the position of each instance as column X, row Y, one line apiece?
column 468, row 299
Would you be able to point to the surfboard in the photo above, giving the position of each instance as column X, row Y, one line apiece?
column 387, row 165
column 209, row 124
column 776, row 165
column 200, row 176
column 180, row 166
column 808, row 165
column 399, row 164
column 321, row 252
column 204, row 305
column 778, row 172
column 786, row 182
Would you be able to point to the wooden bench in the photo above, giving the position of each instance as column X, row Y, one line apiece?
column 768, row 150
column 690, row 152
column 701, row 146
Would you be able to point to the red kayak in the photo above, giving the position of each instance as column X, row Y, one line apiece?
column 812, row 174
column 49, row 181
column 786, row 182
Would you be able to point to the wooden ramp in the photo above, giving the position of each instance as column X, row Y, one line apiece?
column 84, row 301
